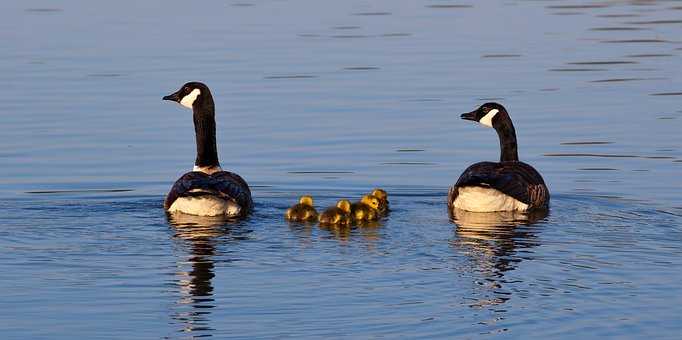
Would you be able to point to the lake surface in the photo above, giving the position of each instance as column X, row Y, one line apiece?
column 333, row 99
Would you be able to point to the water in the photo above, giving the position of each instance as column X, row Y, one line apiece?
column 333, row 99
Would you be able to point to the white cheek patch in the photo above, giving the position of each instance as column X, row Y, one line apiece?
column 189, row 99
column 487, row 120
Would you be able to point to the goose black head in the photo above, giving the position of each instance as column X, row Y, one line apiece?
column 188, row 94
column 485, row 114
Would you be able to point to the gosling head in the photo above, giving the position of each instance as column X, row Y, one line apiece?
column 371, row 200
column 380, row 194
column 344, row 205
column 189, row 94
column 487, row 114
column 306, row 200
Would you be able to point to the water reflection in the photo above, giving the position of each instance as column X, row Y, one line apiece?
column 492, row 241
column 369, row 232
column 303, row 231
column 199, row 235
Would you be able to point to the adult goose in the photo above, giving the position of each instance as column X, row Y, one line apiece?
column 207, row 190
column 509, row 185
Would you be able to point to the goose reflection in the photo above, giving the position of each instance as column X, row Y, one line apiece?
column 195, row 273
column 492, row 241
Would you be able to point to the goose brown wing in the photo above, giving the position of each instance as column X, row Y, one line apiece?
column 516, row 179
column 224, row 184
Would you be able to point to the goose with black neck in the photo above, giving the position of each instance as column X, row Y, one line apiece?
column 507, row 185
column 207, row 190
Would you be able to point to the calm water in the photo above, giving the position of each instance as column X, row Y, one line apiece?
column 332, row 99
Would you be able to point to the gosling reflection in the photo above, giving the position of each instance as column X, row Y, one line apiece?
column 195, row 289
column 368, row 232
column 491, row 241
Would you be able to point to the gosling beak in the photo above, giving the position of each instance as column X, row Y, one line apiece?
column 173, row 97
column 469, row 116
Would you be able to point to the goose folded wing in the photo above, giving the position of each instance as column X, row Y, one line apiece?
column 235, row 187
column 224, row 184
column 497, row 176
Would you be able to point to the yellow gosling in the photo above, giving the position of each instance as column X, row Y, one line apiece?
column 303, row 211
column 383, row 200
column 366, row 210
column 337, row 215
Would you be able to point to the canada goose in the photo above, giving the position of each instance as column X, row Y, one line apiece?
column 366, row 210
column 340, row 214
column 207, row 190
column 509, row 185
column 303, row 211
column 383, row 200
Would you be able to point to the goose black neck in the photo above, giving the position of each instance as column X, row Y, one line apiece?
column 204, row 129
column 505, row 131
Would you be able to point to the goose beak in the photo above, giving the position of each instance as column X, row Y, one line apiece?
column 469, row 116
column 172, row 97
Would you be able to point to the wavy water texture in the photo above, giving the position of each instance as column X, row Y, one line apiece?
column 332, row 99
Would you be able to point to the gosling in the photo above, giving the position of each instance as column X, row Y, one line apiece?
column 337, row 215
column 303, row 211
column 383, row 200
column 366, row 210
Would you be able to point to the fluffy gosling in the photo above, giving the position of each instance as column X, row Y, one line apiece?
column 303, row 211
column 383, row 200
column 366, row 210
column 337, row 215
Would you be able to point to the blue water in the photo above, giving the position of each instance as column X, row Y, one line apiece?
column 333, row 99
